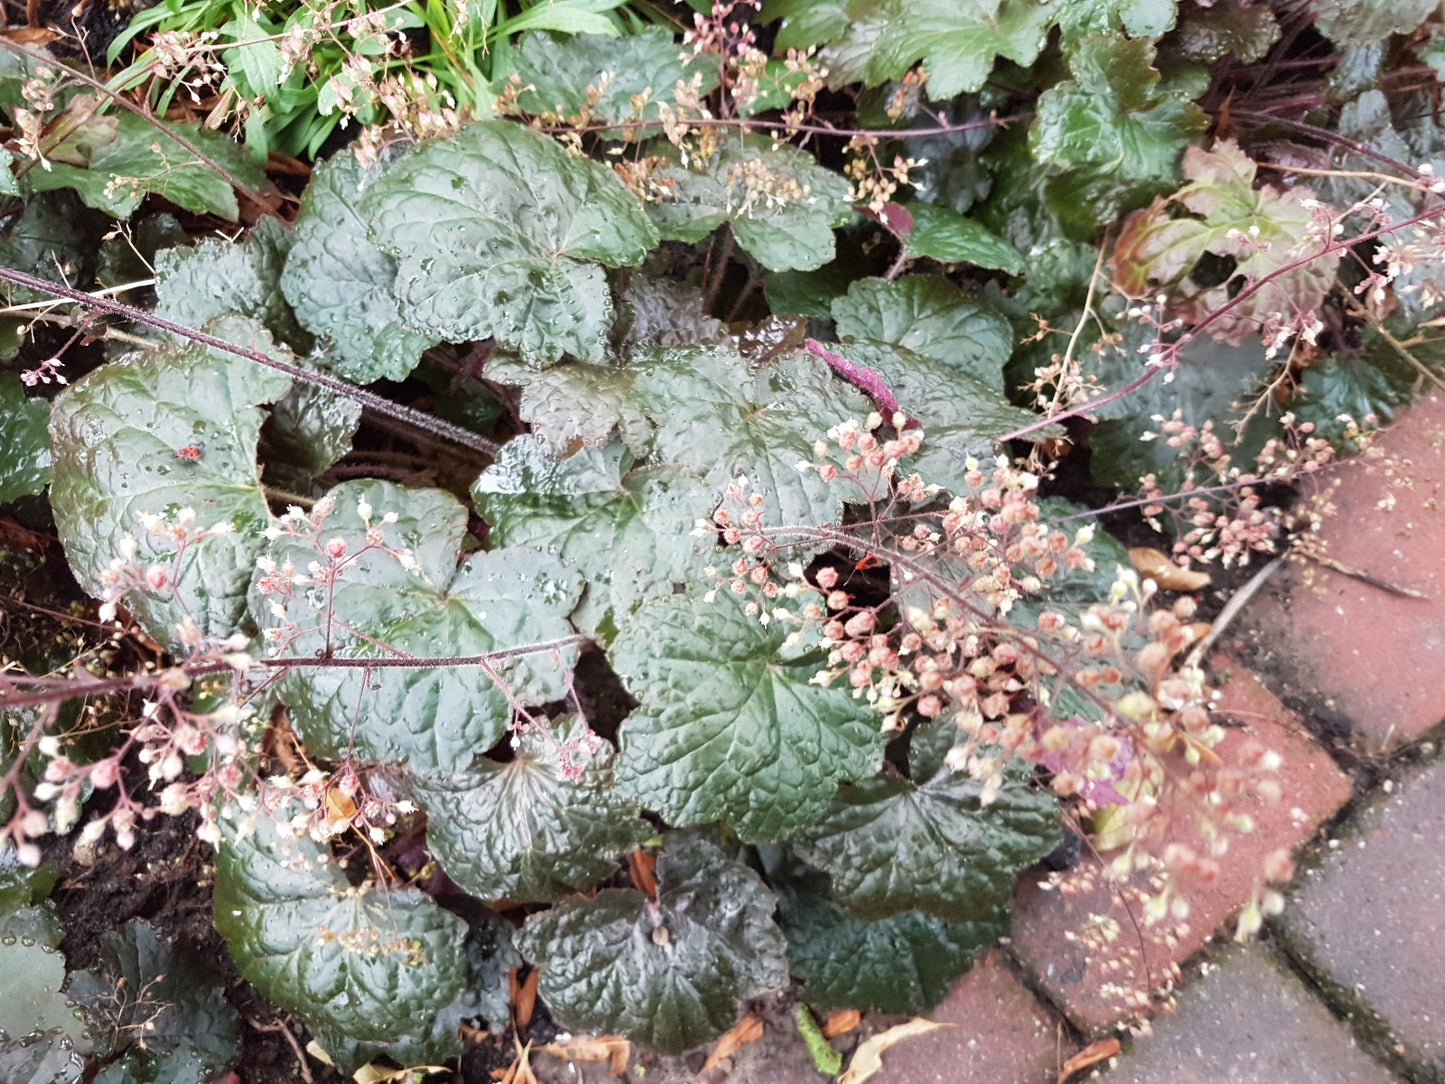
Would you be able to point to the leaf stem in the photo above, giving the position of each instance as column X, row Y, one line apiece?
column 370, row 400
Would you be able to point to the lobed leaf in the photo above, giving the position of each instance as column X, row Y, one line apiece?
column 668, row 972
column 25, row 451
column 341, row 285
column 366, row 962
column 943, row 234
column 497, row 232
column 729, row 728
column 542, row 824
column 114, row 436
column 627, row 528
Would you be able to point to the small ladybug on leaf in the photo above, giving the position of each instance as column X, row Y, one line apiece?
column 191, row 453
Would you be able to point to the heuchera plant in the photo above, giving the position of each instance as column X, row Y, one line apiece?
column 868, row 673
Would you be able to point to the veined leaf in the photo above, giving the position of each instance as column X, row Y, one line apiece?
column 668, row 972
column 958, row 44
column 545, row 823
column 576, row 404
column 1263, row 231
column 900, row 964
column 1360, row 22
column 1111, row 133
column 600, row 78
column 139, row 160
column 366, row 962
column 715, row 416
column 342, row 286
column 1137, row 18
column 436, row 718
column 929, row 316
column 943, row 234
column 627, row 528
column 114, row 437
column 781, row 204
column 729, row 728
column 497, row 232
column 1233, row 26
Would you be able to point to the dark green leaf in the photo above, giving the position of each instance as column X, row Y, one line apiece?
column 432, row 718
column 806, row 23
column 731, row 728
column 497, row 232
column 781, row 204
column 485, row 994
column 341, row 285
column 597, row 77
column 161, row 1001
column 139, row 161
column 715, row 416
column 900, row 964
column 663, row 312
column 310, row 427
column 49, row 1059
column 929, row 316
column 808, row 293
column 958, row 45
column 221, row 278
column 52, row 237
column 671, row 972
column 114, row 437
column 628, row 529
column 929, row 844
column 1230, row 26
column 1364, row 386
column 366, row 962
column 943, row 234
column 545, row 823
column 25, row 450
column 1111, row 132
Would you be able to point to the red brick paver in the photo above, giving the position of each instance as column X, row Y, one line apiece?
column 1100, row 986
column 1004, row 1036
column 1374, row 657
column 1247, row 1022
column 1370, row 921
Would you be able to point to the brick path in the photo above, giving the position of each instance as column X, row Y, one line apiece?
column 1348, row 984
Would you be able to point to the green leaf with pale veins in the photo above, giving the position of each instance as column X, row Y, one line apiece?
column 498, row 232
column 114, row 436
column 900, row 964
column 342, row 286
column 930, row 316
column 575, row 404
column 958, row 44
column 627, row 528
column 1112, row 134
column 928, row 844
column 943, row 234
column 543, row 824
column 365, row 961
column 434, row 719
column 716, row 417
column 781, row 204
column 220, row 278
column 25, row 451
column 729, row 727
column 1364, row 22
column 672, row 972
column 564, row 74
column 140, row 161
column 966, row 422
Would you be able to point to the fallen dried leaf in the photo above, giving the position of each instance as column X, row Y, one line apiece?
column 385, row 1074
column 748, row 1029
column 841, row 1022
column 613, row 1049
column 1155, row 566
column 868, row 1058
column 524, row 996
column 639, row 867
column 1092, row 1054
